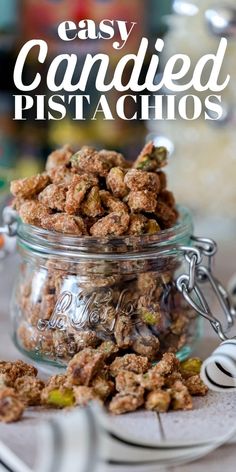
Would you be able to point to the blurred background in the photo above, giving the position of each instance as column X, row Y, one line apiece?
column 202, row 167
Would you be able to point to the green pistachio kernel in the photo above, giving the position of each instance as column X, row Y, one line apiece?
column 61, row 398
column 190, row 367
column 149, row 317
column 144, row 163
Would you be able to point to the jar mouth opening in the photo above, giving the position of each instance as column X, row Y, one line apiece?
column 48, row 242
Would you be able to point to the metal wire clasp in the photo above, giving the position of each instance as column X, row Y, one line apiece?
column 200, row 258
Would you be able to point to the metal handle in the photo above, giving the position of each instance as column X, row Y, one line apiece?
column 200, row 258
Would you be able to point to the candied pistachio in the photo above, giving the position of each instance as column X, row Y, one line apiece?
column 151, row 380
column 180, row 324
column 28, row 336
column 152, row 227
column 158, row 401
column 142, row 200
column 190, row 367
column 33, row 212
column 138, row 225
column 166, row 216
column 29, row 390
column 140, row 180
column 145, row 342
column 151, row 158
column 168, row 364
column 84, row 339
column 180, row 397
column 111, row 203
column 61, row 175
column 64, row 344
column 84, row 366
column 163, row 179
column 126, row 402
column 15, row 370
column 115, row 182
column 127, row 382
column 58, row 397
column 115, row 159
column 124, row 331
column 102, row 387
column 84, row 395
column 30, row 186
column 195, row 385
column 130, row 362
column 148, row 282
column 11, row 407
column 109, row 350
column 115, row 224
column 54, row 197
column 170, row 379
column 89, row 160
column 77, row 190
column 63, row 223
column 149, row 311
column 4, row 381
column 168, row 198
column 91, row 206
column 59, row 157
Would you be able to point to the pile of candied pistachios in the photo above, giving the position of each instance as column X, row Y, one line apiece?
column 122, row 384
column 98, row 193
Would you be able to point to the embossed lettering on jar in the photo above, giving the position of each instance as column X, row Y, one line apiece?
column 73, row 293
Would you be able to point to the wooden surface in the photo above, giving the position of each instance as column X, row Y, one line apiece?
column 210, row 418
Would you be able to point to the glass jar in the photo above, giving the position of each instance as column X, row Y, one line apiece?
column 73, row 293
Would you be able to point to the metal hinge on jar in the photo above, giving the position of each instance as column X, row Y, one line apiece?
column 200, row 258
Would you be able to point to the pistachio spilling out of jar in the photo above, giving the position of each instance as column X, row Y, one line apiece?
column 123, row 384
column 98, row 193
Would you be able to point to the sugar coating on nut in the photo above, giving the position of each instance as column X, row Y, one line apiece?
column 64, row 223
column 127, row 382
column 180, row 397
column 34, row 213
column 14, row 370
column 29, row 390
column 84, row 395
column 151, row 158
column 89, row 160
column 125, row 402
column 140, row 180
column 114, row 224
column 142, row 200
column 102, row 386
column 54, row 197
column 195, row 385
column 11, row 407
column 116, row 182
column 77, row 189
column 158, row 401
column 115, row 159
column 92, row 205
column 152, row 380
column 59, row 157
column 130, row 362
column 84, row 366
column 168, row 364
column 111, row 203
column 30, row 186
